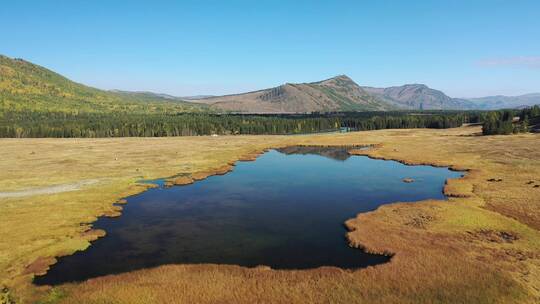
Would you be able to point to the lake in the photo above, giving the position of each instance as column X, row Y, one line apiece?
column 285, row 210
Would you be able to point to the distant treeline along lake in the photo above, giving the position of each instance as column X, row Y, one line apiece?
column 22, row 124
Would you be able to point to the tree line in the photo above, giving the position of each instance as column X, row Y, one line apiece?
column 28, row 124
column 506, row 122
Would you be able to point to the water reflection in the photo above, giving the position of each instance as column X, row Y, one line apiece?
column 285, row 210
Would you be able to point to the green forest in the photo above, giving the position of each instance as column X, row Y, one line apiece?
column 506, row 122
column 24, row 124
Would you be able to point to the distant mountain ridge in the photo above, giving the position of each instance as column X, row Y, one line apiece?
column 26, row 86
column 339, row 93
column 501, row 102
column 418, row 97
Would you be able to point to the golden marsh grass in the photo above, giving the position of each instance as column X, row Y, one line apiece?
column 480, row 246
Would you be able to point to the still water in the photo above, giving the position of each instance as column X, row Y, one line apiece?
column 285, row 210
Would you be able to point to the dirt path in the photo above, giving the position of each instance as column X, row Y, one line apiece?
column 50, row 189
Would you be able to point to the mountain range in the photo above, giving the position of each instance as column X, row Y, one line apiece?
column 341, row 93
column 26, row 86
column 502, row 102
column 335, row 94
column 418, row 97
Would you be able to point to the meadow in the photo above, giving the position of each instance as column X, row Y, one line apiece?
column 479, row 246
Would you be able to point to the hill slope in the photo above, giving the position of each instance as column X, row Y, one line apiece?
column 335, row 94
column 28, row 87
column 418, row 97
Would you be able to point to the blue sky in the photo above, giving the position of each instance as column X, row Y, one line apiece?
column 465, row 48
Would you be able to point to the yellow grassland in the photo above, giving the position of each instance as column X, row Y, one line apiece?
column 480, row 246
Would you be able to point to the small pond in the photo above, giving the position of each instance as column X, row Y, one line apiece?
column 285, row 210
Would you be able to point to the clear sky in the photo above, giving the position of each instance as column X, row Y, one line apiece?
column 465, row 48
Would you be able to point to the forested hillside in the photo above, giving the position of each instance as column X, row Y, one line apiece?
column 28, row 87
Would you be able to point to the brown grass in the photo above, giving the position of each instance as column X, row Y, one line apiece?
column 443, row 251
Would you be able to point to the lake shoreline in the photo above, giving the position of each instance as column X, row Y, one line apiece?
column 422, row 223
column 186, row 179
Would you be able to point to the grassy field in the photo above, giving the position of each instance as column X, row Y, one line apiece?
column 480, row 246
